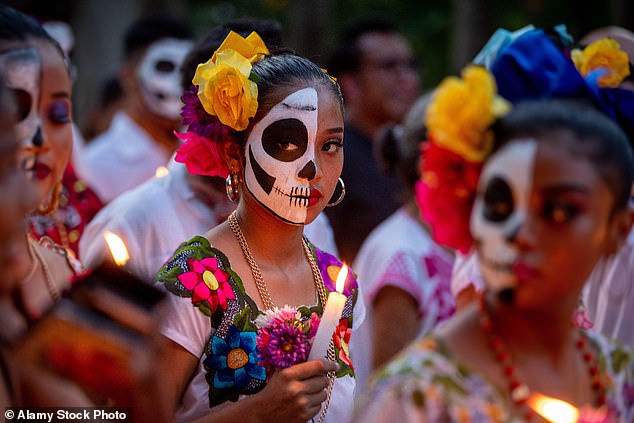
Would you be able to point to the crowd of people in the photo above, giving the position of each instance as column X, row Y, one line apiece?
column 462, row 254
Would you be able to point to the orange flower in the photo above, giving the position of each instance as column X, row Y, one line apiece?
column 605, row 53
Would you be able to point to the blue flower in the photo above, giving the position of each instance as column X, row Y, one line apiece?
column 235, row 360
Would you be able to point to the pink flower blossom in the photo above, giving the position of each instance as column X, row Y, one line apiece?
column 207, row 282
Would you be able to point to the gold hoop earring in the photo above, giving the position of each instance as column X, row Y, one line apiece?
column 50, row 207
column 233, row 187
column 339, row 199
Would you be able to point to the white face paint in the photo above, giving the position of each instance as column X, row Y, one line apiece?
column 500, row 208
column 159, row 76
column 21, row 71
column 280, row 156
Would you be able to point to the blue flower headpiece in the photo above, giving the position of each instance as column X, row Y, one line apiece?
column 529, row 65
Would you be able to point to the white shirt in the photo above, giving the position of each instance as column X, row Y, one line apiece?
column 121, row 158
column 400, row 253
column 156, row 217
column 608, row 295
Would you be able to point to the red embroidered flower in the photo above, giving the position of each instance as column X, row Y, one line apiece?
column 445, row 195
column 341, row 339
column 207, row 282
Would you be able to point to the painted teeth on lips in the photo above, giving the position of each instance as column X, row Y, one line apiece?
column 498, row 266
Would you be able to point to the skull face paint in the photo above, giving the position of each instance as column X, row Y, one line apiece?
column 159, row 76
column 21, row 70
column 500, row 208
column 280, row 156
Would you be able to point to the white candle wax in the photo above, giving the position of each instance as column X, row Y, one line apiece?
column 329, row 319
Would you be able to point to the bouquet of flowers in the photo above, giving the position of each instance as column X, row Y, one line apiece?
column 285, row 336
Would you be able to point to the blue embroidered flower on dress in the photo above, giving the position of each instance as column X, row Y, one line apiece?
column 235, row 360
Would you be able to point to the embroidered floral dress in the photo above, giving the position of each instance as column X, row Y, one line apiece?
column 213, row 317
column 425, row 383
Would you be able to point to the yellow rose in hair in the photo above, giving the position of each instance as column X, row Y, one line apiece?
column 461, row 112
column 605, row 53
column 251, row 48
column 225, row 90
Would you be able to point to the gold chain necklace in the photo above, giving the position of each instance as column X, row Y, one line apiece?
column 265, row 296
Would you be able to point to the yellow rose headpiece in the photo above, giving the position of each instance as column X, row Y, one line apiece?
column 225, row 89
column 604, row 54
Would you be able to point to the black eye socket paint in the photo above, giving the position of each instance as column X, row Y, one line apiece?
column 285, row 140
column 265, row 180
column 498, row 200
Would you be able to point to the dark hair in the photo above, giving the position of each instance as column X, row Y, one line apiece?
column 110, row 91
column 269, row 30
column 8, row 141
column 599, row 139
column 276, row 72
column 398, row 146
column 146, row 31
column 16, row 26
column 346, row 57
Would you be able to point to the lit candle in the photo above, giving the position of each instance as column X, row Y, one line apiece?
column 117, row 248
column 553, row 409
column 330, row 318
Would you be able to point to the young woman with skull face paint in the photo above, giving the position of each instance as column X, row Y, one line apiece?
column 551, row 201
column 45, row 132
column 286, row 163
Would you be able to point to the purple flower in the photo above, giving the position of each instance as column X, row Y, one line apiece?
column 198, row 120
column 287, row 345
column 329, row 266
column 284, row 337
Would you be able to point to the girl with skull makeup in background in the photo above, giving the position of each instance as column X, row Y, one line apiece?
column 279, row 144
column 553, row 182
column 36, row 70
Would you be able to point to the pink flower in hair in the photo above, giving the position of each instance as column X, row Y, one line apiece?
column 200, row 155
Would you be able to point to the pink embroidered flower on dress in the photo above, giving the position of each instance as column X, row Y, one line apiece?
column 208, row 282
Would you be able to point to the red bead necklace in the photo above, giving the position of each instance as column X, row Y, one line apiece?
column 518, row 390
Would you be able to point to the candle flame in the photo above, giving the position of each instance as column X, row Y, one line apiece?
column 552, row 409
column 117, row 248
column 341, row 278
column 161, row 171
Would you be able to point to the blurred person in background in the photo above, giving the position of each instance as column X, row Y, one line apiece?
column 141, row 136
column 378, row 74
column 36, row 69
column 100, row 114
column 608, row 297
column 404, row 276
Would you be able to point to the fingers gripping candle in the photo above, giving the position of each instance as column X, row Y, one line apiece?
column 330, row 318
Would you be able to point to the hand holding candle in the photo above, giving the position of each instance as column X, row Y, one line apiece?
column 330, row 318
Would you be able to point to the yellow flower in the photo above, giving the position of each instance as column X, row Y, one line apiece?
column 252, row 48
column 461, row 112
column 605, row 53
column 224, row 87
